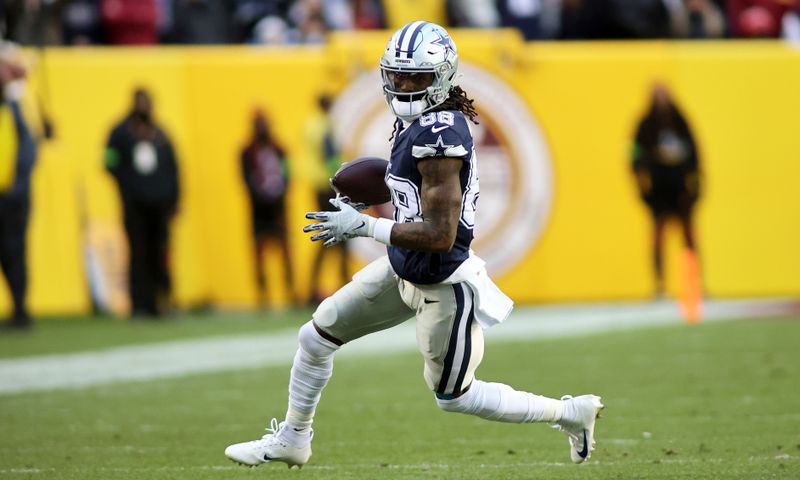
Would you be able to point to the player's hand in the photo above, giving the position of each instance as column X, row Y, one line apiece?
column 357, row 205
column 339, row 226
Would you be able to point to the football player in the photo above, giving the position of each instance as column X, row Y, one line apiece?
column 429, row 271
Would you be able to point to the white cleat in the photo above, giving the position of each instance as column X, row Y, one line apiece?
column 581, row 432
column 270, row 448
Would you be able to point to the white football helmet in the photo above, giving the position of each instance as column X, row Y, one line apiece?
column 419, row 47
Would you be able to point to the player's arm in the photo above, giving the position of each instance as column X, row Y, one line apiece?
column 441, row 206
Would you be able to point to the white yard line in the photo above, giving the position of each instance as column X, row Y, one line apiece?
column 180, row 358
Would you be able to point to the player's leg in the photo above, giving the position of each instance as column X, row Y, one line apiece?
column 290, row 441
column 367, row 304
column 451, row 342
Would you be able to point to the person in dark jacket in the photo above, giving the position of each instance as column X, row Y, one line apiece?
column 266, row 175
column 140, row 156
column 17, row 159
column 666, row 166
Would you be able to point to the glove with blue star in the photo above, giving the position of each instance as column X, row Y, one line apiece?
column 337, row 227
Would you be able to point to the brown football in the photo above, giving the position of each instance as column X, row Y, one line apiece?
column 362, row 180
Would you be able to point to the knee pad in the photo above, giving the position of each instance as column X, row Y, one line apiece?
column 326, row 314
column 313, row 343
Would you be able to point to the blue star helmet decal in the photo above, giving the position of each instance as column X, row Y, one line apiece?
column 445, row 42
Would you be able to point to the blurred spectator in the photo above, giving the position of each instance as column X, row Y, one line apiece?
column 165, row 19
column 368, row 14
column 17, row 158
column 31, row 22
column 614, row 19
column 201, row 22
column 248, row 13
column 324, row 159
column 535, row 19
column 576, row 20
column 481, row 13
column 81, row 23
column 759, row 18
column 755, row 21
column 134, row 22
column 312, row 19
column 666, row 166
column 266, row 175
column 313, row 29
column 273, row 30
column 702, row 19
column 130, row 22
column 140, row 156
column 790, row 25
column 639, row 19
column 332, row 14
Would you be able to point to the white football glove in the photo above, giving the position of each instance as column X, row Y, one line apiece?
column 340, row 226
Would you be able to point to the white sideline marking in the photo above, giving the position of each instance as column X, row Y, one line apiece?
column 215, row 354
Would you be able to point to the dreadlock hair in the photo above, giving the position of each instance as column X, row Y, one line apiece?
column 457, row 100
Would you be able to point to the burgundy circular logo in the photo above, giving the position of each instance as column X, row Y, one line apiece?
column 514, row 169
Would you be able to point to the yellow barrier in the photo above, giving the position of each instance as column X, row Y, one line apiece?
column 584, row 97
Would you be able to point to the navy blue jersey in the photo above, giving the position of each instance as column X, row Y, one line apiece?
column 436, row 134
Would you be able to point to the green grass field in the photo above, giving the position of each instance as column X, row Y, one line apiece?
column 712, row 401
